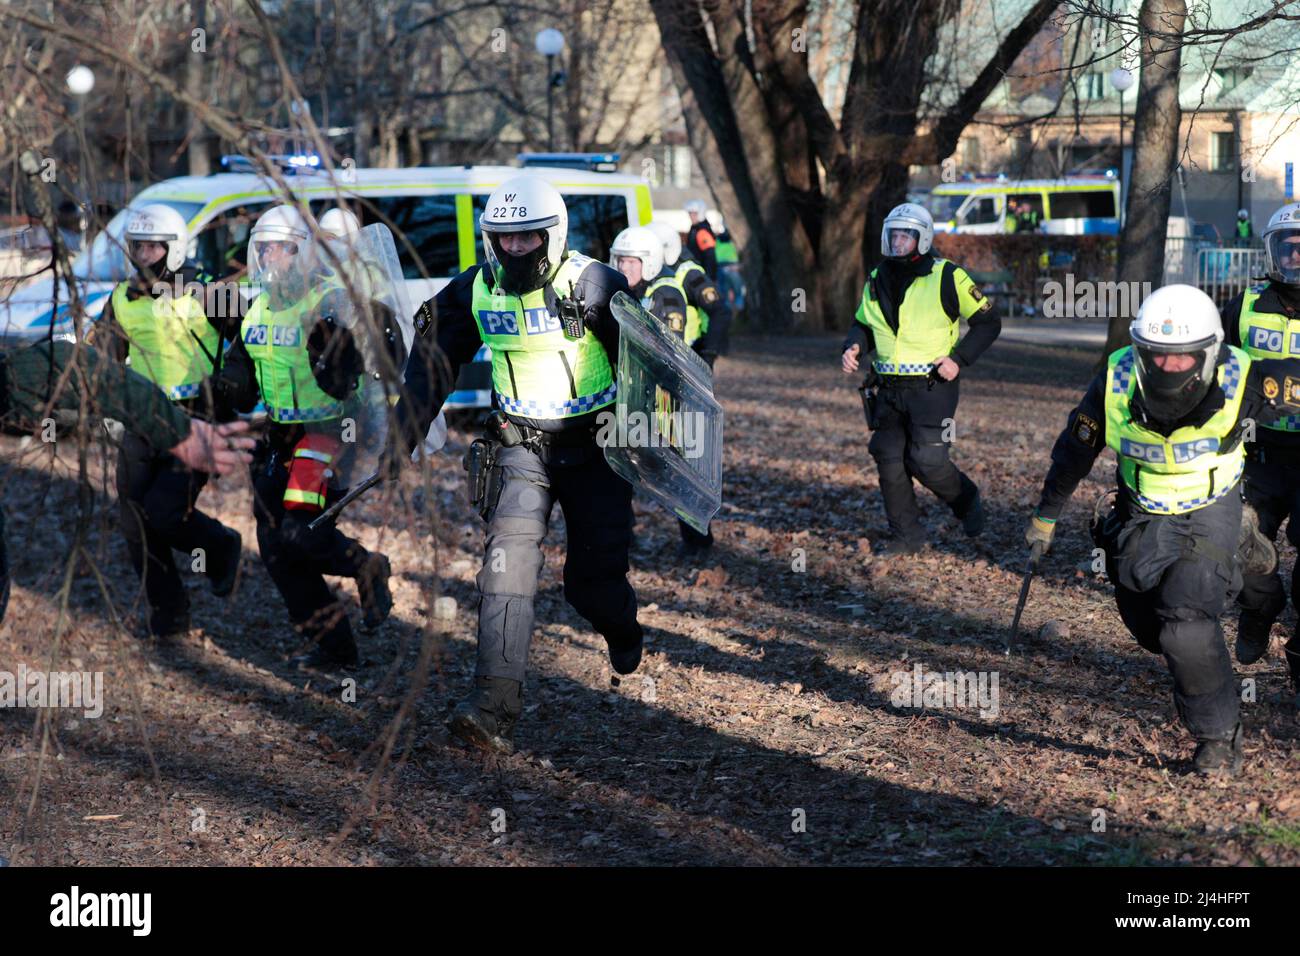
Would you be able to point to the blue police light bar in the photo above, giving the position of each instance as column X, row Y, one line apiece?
column 595, row 162
column 289, row 163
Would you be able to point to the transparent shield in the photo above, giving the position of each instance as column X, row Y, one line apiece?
column 357, row 331
column 664, row 434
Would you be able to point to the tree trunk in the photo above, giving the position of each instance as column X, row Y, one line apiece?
column 197, row 150
column 1156, row 127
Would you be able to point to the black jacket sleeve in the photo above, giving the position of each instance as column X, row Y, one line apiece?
column 1075, row 451
column 597, row 285
column 704, row 295
column 446, row 338
column 1272, row 390
column 1231, row 327
column 234, row 386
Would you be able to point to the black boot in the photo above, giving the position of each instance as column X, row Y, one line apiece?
column 169, row 622
column 625, row 655
column 1252, row 637
column 898, row 546
column 486, row 718
column 1219, row 757
column 334, row 647
column 229, row 564
column 372, row 586
column 972, row 512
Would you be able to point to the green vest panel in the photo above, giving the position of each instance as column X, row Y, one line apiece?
column 277, row 343
column 1189, row 468
column 696, row 318
column 172, row 343
column 925, row 331
column 536, row 371
column 727, row 252
column 1268, row 335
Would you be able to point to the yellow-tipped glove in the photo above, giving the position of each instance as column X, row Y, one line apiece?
column 1040, row 531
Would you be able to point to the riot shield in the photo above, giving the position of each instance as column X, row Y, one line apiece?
column 356, row 328
column 664, row 434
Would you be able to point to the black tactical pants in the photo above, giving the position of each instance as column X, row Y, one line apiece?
column 597, row 507
column 1273, row 488
column 298, row 559
column 156, row 496
column 909, row 443
column 1174, row 575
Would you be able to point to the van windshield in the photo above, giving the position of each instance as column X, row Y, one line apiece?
column 944, row 208
column 105, row 259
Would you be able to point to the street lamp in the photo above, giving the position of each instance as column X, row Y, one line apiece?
column 549, row 43
column 1122, row 80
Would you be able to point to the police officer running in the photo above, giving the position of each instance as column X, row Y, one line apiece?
column 295, row 354
column 1174, row 407
column 157, row 323
column 1265, row 322
column 544, row 311
column 907, row 328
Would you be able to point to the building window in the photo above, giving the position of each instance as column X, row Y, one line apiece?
column 1223, row 152
column 1094, row 86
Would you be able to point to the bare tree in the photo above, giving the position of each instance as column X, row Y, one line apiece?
column 804, row 194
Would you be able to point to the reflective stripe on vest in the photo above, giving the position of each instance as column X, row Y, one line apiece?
column 692, row 330
column 277, row 344
column 1185, row 470
column 536, row 371
column 925, row 331
column 696, row 318
column 1269, row 335
column 171, row 341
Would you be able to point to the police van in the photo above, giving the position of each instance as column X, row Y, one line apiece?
column 437, row 208
column 1073, row 206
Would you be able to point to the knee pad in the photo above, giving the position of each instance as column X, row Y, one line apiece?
column 927, row 457
column 1197, row 655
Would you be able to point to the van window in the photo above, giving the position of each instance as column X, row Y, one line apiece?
column 943, row 206
column 429, row 223
column 222, row 249
column 1098, row 204
column 594, row 221
column 983, row 210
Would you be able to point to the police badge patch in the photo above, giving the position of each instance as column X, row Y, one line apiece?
column 1086, row 430
column 709, row 295
column 1270, row 388
column 977, row 295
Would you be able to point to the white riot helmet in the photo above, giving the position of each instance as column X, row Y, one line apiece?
column 339, row 223
column 696, row 206
column 292, row 261
column 911, row 218
column 1175, row 320
column 638, row 242
column 1243, row 215
column 671, row 239
column 525, row 204
column 1282, row 246
column 156, row 222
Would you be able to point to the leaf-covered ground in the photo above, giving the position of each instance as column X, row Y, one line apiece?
column 760, row 728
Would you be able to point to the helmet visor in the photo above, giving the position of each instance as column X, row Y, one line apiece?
column 1283, row 249
column 902, row 242
column 1172, row 380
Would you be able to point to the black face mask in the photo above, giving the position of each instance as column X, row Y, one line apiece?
column 519, row 275
column 1169, row 396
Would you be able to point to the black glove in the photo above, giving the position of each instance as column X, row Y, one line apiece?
column 336, row 362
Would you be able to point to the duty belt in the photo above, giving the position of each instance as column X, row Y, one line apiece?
column 906, row 381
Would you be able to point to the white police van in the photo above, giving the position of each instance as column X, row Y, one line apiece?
column 437, row 208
